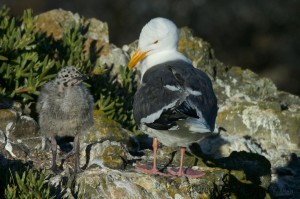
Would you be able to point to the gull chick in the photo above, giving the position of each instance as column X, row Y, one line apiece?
column 65, row 108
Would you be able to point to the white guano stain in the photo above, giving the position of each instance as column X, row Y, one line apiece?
column 8, row 147
column 178, row 196
column 8, row 128
column 130, row 189
column 254, row 118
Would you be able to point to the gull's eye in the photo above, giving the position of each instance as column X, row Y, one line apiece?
column 155, row 42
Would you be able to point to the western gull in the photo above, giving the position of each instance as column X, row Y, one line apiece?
column 65, row 108
column 175, row 103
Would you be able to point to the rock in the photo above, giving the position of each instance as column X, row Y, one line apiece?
column 256, row 167
column 25, row 127
column 107, row 183
column 54, row 22
column 113, row 56
column 96, row 37
column 286, row 179
column 7, row 117
column 108, row 154
column 106, row 129
column 254, row 110
column 97, row 30
column 257, row 117
column 2, row 140
column 110, row 61
column 200, row 53
column 19, row 133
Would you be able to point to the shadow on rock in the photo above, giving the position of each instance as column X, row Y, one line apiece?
column 253, row 180
column 287, row 182
column 5, row 102
column 233, row 186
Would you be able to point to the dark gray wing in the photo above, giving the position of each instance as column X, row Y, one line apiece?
column 174, row 91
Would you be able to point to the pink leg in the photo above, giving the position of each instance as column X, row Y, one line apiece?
column 147, row 169
column 190, row 173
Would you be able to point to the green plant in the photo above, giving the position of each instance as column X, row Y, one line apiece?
column 116, row 96
column 19, row 60
column 31, row 185
column 6, row 168
column 29, row 58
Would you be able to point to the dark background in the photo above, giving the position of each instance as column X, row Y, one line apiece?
column 263, row 35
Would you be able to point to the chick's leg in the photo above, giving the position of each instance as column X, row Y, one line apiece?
column 77, row 155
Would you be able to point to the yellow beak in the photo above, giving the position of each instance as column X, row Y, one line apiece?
column 137, row 56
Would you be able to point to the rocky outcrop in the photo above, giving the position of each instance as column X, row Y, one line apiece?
column 255, row 154
column 257, row 117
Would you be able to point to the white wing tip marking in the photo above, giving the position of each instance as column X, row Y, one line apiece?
column 193, row 92
column 172, row 88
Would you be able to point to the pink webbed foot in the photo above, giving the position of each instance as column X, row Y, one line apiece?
column 188, row 172
column 149, row 170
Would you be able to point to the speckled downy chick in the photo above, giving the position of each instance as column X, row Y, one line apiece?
column 65, row 108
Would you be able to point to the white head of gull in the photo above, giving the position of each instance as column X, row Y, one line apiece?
column 175, row 103
column 157, row 44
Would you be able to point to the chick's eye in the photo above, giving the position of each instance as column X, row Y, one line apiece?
column 155, row 42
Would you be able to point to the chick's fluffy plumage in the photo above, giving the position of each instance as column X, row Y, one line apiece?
column 64, row 110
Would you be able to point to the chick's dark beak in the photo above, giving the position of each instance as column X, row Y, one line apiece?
column 82, row 77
